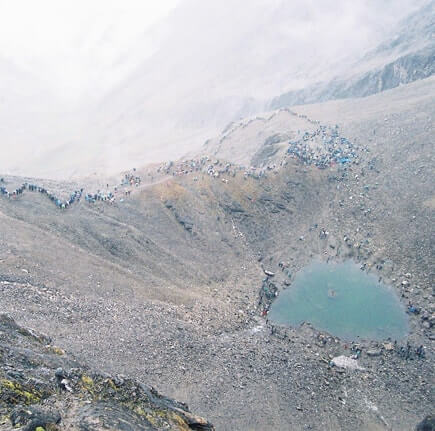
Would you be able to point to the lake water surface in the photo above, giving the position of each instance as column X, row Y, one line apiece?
column 342, row 300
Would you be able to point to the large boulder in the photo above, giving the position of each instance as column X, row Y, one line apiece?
column 427, row 424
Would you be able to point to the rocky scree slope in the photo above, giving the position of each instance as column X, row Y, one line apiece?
column 42, row 388
column 174, row 274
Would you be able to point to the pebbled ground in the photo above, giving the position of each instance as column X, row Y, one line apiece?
column 165, row 287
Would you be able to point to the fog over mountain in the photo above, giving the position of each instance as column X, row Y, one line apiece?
column 126, row 89
column 407, row 55
column 230, row 203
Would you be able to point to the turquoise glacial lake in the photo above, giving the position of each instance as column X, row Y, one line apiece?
column 343, row 300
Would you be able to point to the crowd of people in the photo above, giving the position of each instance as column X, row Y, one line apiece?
column 322, row 148
column 99, row 196
column 131, row 179
column 409, row 352
column 215, row 168
column 212, row 167
column 60, row 203
column 109, row 196
column 4, row 191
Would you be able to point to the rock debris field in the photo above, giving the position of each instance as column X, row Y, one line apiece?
column 171, row 287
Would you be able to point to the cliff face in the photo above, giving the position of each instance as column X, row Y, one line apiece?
column 406, row 57
column 42, row 388
column 405, row 69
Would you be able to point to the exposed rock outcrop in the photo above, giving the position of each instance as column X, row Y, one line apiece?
column 427, row 424
column 41, row 388
column 406, row 57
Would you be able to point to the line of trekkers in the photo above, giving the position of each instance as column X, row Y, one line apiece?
column 91, row 198
column 129, row 179
column 74, row 197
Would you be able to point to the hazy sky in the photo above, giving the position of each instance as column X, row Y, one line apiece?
column 79, row 85
column 75, row 41
column 81, row 48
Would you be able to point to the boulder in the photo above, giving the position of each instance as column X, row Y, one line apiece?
column 427, row 424
column 77, row 397
column 346, row 362
column 388, row 347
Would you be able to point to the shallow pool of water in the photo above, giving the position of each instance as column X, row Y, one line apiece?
column 342, row 300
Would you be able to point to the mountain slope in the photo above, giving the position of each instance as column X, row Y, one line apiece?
column 213, row 63
column 406, row 57
column 46, row 389
column 168, row 285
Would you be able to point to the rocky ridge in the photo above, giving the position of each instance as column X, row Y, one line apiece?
column 42, row 388
column 406, row 57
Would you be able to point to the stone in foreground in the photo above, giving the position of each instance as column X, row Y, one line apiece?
column 42, row 388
